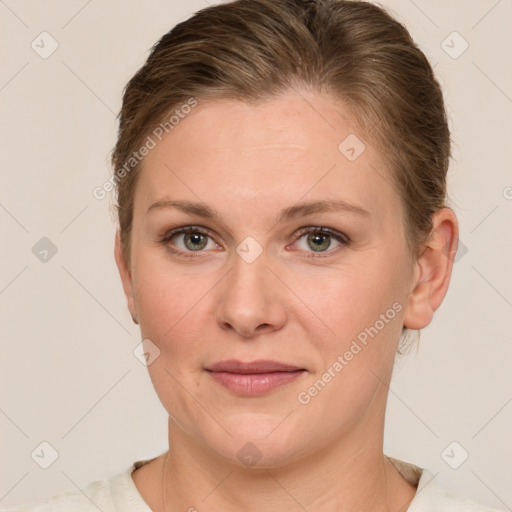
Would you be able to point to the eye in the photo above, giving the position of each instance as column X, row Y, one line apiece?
column 188, row 239
column 313, row 240
column 320, row 240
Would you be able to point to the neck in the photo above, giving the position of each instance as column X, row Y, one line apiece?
column 342, row 477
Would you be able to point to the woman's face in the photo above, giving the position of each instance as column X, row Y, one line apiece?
column 248, row 282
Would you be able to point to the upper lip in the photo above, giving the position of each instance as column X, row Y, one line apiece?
column 259, row 366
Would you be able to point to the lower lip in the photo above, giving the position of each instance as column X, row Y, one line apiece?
column 253, row 384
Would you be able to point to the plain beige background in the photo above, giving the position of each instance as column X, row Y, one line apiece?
column 69, row 375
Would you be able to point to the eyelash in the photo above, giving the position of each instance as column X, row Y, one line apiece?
column 343, row 239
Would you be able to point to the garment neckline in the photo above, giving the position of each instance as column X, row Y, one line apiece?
column 415, row 475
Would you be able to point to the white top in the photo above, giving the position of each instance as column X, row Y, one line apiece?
column 119, row 494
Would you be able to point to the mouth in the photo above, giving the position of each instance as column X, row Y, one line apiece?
column 253, row 378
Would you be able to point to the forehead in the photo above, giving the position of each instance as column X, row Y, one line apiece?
column 229, row 153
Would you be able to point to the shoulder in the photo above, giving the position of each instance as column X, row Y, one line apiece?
column 430, row 495
column 117, row 493
column 96, row 495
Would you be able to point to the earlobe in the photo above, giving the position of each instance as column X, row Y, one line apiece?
column 126, row 277
column 433, row 270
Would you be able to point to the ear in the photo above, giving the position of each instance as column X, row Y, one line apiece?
column 126, row 277
column 433, row 270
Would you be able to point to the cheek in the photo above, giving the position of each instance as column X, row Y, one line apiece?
column 346, row 301
column 361, row 307
column 170, row 305
column 363, row 311
column 169, row 301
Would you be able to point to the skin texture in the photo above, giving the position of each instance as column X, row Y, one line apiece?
column 291, row 305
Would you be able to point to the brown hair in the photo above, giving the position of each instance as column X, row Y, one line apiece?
column 252, row 50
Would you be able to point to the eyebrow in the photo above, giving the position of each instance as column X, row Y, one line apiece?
column 290, row 213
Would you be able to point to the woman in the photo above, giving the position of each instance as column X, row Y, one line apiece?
column 281, row 184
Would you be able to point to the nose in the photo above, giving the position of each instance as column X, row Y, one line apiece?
column 252, row 299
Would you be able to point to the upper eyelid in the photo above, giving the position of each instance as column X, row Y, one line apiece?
column 181, row 230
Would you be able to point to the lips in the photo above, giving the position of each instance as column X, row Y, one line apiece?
column 260, row 366
column 255, row 377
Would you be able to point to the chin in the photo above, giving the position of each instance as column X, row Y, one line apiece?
column 257, row 441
